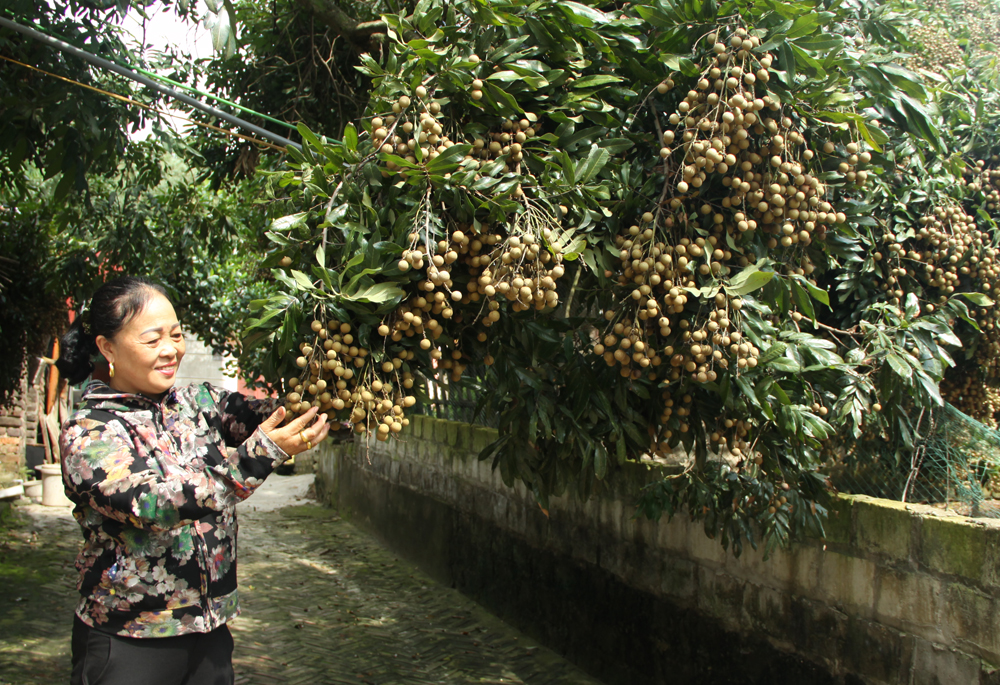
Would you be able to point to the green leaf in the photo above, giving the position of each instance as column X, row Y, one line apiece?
column 815, row 292
column 978, row 299
column 899, row 366
column 592, row 165
column 506, row 76
column 351, row 137
column 596, row 80
column 309, row 136
column 378, row 293
column 681, row 64
column 583, row 15
column 773, row 352
column 600, row 461
column 748, row 280
column 302, row 280
column 290, row 221
column 448, row 160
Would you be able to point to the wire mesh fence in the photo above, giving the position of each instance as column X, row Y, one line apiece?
column 955, row 466
column 459, row 400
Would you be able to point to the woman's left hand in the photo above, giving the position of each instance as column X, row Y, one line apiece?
column 300, row 434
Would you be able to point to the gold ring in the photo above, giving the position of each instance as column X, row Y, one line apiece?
column 309, row 445
column 302, row 435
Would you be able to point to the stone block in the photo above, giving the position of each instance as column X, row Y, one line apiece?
column 935, row 664
column 15, row 432
column 439, row 431
column 847, row 582
column 611, row 518
column 672, row 534
column 416, row 427
column 882, row 527
column 912, row 602
column 768, row 611
column 878, row 653
column 451, row 430
column 803, row 563
column 953, row 545
column 629, row 526
column 482, row 437
column 394, row 470
column 463, row 441
column 9, row 421
column 720, row 596
column 991, row 566
column 645, row 529
column 971, row 618
column 645, row 571
column 817, row 629
column 499, row 507
column 703, row 548
column 838, row 524
column 678, row 578
column 584, row 546
column 777, row 570
column 478, row 469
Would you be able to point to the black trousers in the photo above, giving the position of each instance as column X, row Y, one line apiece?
column 195, row 659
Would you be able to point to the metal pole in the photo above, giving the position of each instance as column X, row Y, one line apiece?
column 128, row 73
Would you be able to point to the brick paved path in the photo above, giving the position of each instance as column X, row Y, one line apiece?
column 322, row 603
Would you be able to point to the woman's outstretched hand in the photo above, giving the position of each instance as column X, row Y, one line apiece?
column 300, row 434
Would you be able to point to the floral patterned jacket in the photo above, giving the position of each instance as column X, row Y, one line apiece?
column 155, row 490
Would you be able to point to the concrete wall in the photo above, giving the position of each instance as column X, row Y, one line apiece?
column 896, row 594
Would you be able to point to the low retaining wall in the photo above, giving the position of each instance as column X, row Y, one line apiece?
column 895, row 594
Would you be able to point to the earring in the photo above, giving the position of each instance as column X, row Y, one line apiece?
column 111, row 369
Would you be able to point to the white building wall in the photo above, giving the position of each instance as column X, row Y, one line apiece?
column 200, row 365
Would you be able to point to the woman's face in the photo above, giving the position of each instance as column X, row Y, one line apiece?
column 147, row 350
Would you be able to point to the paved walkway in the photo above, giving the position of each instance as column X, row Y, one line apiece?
column 322, row 603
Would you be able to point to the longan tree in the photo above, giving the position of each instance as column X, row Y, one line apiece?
column 729, row 235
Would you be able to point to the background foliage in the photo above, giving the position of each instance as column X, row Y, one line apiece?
column 501, row 183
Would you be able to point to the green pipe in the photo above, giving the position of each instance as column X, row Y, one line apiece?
column 176, row 84
column 146, row 81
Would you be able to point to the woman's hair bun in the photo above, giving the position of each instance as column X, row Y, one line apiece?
column 76, row 352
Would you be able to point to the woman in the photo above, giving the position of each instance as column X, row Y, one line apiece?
column 155, row 490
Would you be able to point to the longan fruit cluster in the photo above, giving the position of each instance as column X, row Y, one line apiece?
column 340, row 378
column 979, row 18
column 400, row 134
column 518, row 267
column 984, row 178
column 507, row 143
column 966, row 390
column 728, row 435
column 940, row 51
column 395, row 134
column 950, row 255
column 729, row 126
column 728, row 130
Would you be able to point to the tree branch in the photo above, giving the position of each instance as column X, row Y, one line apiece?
column 361, row 34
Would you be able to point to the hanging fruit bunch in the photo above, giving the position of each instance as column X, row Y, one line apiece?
column 741, row 186
column 343, row 380
column 951, row 256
